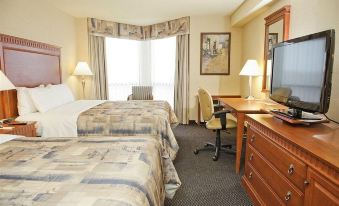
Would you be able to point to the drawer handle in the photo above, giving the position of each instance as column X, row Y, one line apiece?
column 252, row 138
column 288, row 196
column 251, row 156
column 290, row 169
column 250, row 175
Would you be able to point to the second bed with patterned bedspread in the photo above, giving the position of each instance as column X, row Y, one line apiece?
column 125, row 118
column 85, row 171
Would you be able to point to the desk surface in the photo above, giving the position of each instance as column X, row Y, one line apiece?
column 322, row 140
column 250, row 106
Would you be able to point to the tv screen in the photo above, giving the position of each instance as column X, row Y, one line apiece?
column 302, row 69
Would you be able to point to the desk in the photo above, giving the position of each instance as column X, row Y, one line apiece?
column 239, row 107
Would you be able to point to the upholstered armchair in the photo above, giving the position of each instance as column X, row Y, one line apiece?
column 141, row 93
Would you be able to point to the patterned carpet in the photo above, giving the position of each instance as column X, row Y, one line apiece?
column 205, row 182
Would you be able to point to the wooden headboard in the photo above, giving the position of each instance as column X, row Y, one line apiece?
column 27, row 64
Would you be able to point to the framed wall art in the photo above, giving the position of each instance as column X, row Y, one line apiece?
column 215, row 53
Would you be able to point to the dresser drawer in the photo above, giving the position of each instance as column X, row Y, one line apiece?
column 289, row 166
column 267, row 196
column 285, row 190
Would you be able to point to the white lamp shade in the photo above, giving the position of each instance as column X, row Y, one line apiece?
column 5, row 83
column 251, row 68
column 82, row 69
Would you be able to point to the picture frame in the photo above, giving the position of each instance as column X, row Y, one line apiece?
column 215, row 53
column 272, row 40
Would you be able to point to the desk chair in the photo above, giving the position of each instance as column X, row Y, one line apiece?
column 141, row 93
column 281, row 95
column 215, row 121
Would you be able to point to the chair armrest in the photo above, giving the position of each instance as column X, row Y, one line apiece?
column 224, row 111
column 222, row 115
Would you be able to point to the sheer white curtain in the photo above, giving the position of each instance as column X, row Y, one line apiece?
column 163, row 68
column 123, row 64
column 131, row 62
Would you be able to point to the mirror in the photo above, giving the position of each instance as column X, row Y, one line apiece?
column 276, row 31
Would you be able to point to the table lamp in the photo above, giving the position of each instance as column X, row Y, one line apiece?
column 82, row 69
column 5, row 85
column 251, row 68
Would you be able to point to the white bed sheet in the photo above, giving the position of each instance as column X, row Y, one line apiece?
column 6, row 137
column 60, row 121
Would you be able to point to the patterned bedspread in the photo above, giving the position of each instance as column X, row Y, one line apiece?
column 85, row 171
column 126, row 118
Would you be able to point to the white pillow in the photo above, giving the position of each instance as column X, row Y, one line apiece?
column 25, row 103
column 50, row 97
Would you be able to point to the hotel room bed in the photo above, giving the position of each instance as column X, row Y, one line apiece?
column 60, row 115
column 107, row 118
column 85, row 171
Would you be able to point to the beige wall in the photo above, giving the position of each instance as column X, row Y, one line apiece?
column 37, row 21
column 307, row 16
column 310, row 16
column 216, row 84
column 253, row 47
column 82, row 54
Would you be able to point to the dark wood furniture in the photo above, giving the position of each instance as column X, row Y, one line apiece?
column 27, row 130
column 27, row 64
column 282, row 14
column 239, row 107
column 217, row 105
column 291, row 165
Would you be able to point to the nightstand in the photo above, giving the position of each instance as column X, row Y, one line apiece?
column 27, row 130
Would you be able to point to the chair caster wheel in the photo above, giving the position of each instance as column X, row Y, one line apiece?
column 196, row 151
column 215, row 158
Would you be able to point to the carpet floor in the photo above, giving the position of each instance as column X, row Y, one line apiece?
column 204, row 181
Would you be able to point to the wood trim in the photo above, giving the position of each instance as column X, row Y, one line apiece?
column 229, row 52
column 281, row 14
column 26, row 63
column 27, row 43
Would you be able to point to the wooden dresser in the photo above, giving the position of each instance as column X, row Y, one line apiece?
column 291, row 165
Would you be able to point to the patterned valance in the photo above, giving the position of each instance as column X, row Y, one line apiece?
column 104, row 28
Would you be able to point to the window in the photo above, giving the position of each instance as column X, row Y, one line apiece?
column 163, row 68
column 123, row 61
column 131, row 62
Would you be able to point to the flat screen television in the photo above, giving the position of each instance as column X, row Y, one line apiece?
column 302, row 71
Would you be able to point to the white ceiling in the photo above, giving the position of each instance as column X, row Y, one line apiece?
column 143, row 12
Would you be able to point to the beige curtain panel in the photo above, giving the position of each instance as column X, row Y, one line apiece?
column 97, row 27
column 97, row 58
column 181, row 88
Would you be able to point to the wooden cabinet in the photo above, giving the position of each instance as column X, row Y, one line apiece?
column 291, row 165
column 320, row 191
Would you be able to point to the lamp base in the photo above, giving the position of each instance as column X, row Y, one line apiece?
column 250, row 98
